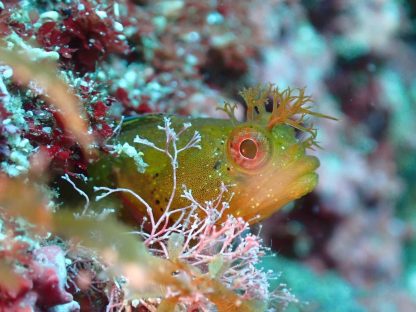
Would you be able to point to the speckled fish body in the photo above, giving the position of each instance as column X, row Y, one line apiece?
column 201, row 170
column 267, row 167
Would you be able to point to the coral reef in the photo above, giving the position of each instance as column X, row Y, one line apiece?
column 70, row 71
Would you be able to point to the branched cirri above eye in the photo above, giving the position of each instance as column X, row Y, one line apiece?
column 289, row 106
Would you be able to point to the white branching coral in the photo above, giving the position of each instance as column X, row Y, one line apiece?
column 217, row 247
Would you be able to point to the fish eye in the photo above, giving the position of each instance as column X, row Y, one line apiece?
column 248, row 148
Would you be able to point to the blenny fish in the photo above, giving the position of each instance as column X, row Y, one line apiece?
column 262, row 158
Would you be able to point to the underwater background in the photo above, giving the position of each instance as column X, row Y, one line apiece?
column 350, row 245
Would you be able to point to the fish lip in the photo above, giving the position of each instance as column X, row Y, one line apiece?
column 307, row 165
column 314, row 161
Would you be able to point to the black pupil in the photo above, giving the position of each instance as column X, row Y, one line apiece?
column 248, row 149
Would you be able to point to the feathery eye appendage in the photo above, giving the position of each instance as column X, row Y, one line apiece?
column 290, row 106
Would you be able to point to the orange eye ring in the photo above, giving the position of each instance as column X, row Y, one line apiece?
column 248, row 148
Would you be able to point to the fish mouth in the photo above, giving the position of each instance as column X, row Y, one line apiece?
column 257, row 197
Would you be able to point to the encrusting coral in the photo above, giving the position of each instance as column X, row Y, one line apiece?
column 33, row 277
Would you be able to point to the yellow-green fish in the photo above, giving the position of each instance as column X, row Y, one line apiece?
column 261, row 158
